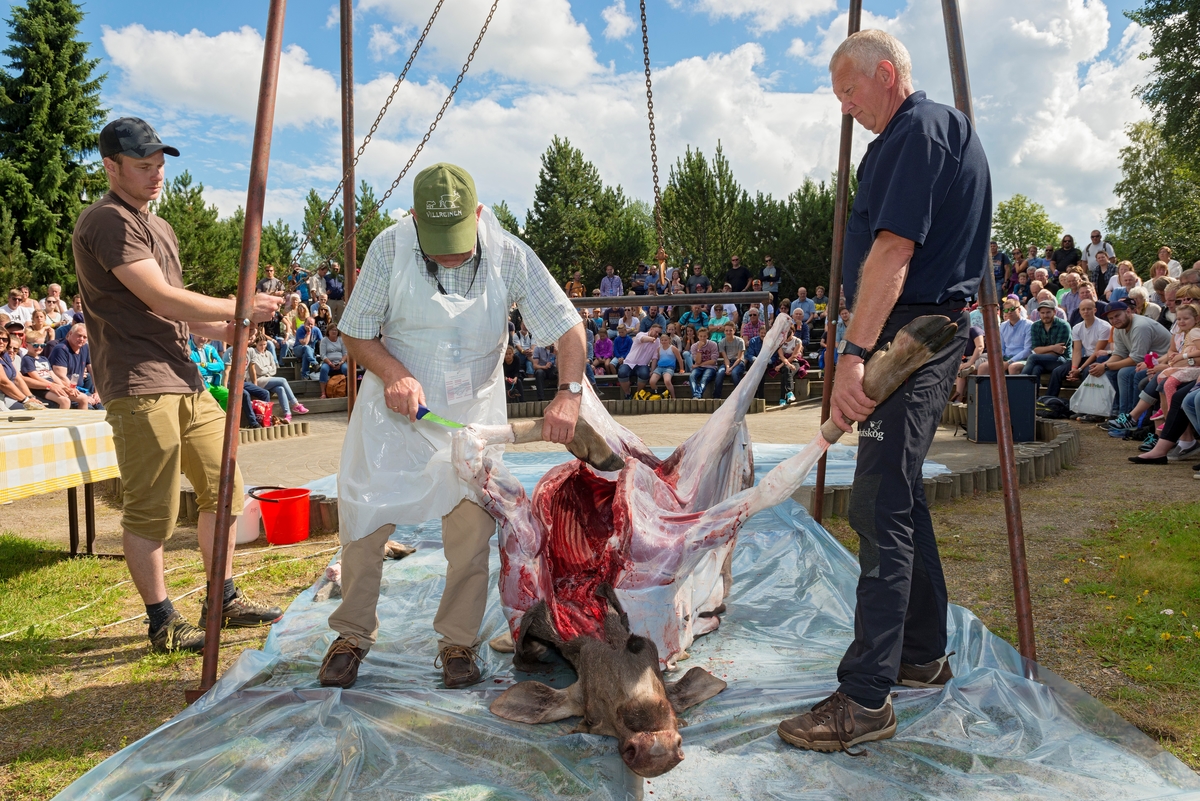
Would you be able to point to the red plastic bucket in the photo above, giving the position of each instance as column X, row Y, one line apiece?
column 284, row 513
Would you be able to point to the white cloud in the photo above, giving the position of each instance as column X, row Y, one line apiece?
column 617, row 21
column 218, row 75
column 535, row 41
column 384, row 42
column 766, row 15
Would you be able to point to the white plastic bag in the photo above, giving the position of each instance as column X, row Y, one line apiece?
column 1094, row 396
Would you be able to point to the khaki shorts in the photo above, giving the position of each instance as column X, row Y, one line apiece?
column 157, row 437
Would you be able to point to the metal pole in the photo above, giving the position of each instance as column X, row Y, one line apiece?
column 989, row 303
column 349, row 233
column 251, row 239
column 841, row 209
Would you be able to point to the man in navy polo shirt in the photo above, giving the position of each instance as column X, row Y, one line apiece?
column 916, row 243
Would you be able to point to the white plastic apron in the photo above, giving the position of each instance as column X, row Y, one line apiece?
column 395, row 471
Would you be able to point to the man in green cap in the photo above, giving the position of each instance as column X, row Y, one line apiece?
column 429, row 321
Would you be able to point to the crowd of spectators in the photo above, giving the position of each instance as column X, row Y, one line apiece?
column 657, row 345
column 44, row 357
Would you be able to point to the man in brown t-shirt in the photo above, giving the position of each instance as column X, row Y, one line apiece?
column 139, row 319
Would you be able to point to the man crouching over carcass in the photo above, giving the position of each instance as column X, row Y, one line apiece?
column 428, row 319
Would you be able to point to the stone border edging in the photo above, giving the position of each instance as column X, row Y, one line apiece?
column 297, row 429
column 1057, row 448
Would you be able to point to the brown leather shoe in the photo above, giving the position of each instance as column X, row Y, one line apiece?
column 837, row 724
column 930, row 674
column 340, row 666
column 458, row 666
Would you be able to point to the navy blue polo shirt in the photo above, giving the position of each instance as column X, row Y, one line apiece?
column 924, row 178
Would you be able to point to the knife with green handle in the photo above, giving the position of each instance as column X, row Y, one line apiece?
column 423, row 413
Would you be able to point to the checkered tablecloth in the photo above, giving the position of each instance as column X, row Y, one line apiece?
column 50, row 450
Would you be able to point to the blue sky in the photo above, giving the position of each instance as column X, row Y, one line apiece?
column 1052, row 80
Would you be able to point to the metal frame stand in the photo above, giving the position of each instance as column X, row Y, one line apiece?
column 349, row 233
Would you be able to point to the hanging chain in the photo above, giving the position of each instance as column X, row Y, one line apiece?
column 432, row 126
column 658, row 226
column 374, row 126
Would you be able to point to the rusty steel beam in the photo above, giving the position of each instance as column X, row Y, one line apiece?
column 349, row 233
column 251, row 239
column 989, row 304
column 841, row 209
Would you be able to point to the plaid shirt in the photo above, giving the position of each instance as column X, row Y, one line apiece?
column 1059, row 334
column 544, row 306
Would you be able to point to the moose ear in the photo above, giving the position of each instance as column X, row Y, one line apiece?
column 696, row 685
column 534, row 702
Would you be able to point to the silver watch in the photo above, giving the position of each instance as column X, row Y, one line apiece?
column 575, row 388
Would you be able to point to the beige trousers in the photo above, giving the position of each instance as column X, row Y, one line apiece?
column 465, row 534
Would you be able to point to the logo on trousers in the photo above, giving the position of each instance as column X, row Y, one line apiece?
column 874, row 430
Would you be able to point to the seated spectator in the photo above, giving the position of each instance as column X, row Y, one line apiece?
column 1049, row 342
column 704, row 363
column 39, row 327
column 753, row 326
column 1046, row 294
column 206, row 359
column 689, row 339
column 72, row 361
column 252, row 392
column 16, row 331
column 1014, row 339
column 1068, row 297
column 40, row 378
column 972, row 357
column 16, row 309
column 716, row 324
column 666, row 364
column 513, row 376
column 602, row 353
column 1133, row 336
column 631, row 320
column 695, row 317
column 1089, row 344
column 1035, row 289
column 308, row 336
column 1088, row 292
column 322, row 313
column 1117, row 280
column 787, row 362
column 641, row 352
column 545, row 368
column 1158, row 289
column 54, row 315
column 653, row 316
column 800, row 327
column 15, row 393
column 1022, row 288
column 622, row 344
column 802, row 301
column 820, row 304
column 334, row 358
column 1139, row 300
column 1127, row 282
column 522, row 342
column 261, row 369
column 731, row 351
column 1171, row 369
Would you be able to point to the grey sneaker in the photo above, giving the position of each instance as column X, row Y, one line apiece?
column 838, row 724
column 929, row 674
column 1178, row 453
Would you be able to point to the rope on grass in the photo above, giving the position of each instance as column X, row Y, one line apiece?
column 195, row 590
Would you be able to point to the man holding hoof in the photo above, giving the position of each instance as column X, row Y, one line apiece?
column 429, row 321
column 916, row 243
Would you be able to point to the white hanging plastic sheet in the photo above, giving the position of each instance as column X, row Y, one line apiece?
column 267, row 730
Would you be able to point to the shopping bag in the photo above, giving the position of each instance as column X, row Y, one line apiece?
column 1094, row 397
column 262, row 410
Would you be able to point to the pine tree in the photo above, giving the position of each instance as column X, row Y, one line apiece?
column 209, row 247
column 324, row 232
column 367, row 229
column 50, row 115
column 506, row 218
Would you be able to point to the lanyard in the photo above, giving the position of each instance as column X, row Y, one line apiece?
column 432, row 266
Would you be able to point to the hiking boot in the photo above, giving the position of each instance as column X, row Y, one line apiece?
column 837, row 724
column 177, row 635
column 929, row 674
column 1122, row 422
column 242, row 612
column 458, row 666
column 339, row 668
column 1148, row 443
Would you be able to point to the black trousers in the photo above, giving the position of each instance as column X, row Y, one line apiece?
column 901, row 611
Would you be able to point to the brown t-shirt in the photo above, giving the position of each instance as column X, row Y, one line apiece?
column 134, row 351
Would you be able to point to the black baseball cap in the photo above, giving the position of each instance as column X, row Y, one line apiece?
column 132, row 136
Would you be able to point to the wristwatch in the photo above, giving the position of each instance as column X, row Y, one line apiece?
column 1191, row 362
column 846, row 347
column 575, row 388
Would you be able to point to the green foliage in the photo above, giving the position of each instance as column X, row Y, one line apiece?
column 50, row 116
column 579, row 223
column 1019, row 223
column 209, row 247
column 1174, row 88
column 279, row 243
column 14, row 265
column 366, row 231
column 324, row 231
column 708, row 216
column 506, row 218
column 1158, row 200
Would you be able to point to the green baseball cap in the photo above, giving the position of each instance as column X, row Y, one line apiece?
column 444, row 202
